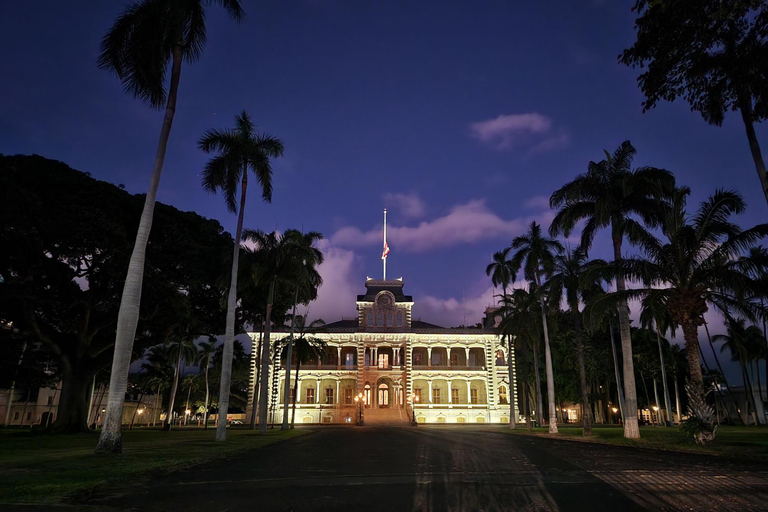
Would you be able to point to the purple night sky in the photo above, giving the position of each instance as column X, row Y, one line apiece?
column 461, row 118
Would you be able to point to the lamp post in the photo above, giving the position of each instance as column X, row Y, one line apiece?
column 359, row 402
column 614, row 410
column 412, row 399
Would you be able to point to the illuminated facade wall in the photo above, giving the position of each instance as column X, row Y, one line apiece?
column 458, row 375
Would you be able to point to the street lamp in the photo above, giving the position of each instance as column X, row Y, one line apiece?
column 359, row 402
column 412, row 399
column 658, row 417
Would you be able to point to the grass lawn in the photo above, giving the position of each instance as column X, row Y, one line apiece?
column 46, row 469
column 739, row 442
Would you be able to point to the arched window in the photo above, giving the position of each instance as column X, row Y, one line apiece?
column 380, row 318
column 369, row 318
column 389, row 319
column 399, row 318
column 503, row 395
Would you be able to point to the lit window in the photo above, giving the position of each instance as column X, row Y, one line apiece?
column 473, row 394
column 417, row 392
column 455, row 395
column 436, row 396
column 329, row 395
column 502, row 394
column 311, row 395
column 348, row 396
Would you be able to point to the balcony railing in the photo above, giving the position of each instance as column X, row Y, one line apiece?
column 451, row 367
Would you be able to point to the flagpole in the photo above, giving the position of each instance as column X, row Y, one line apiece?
column 385, row 243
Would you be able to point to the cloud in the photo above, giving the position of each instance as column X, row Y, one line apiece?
column 537, row 203
column 464, row 224
column 508, row 131
column 336, row 297
column 410, row 205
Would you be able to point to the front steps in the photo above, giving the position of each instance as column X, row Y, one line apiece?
column 386, row 417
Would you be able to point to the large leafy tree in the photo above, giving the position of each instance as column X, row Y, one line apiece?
column 238, row 151
column 147, row 38
column 712, row 53
column 613, row 195
column 698, row 264
column 502, row 274
column 571, row 277
column 64, row 244
column 535, row 254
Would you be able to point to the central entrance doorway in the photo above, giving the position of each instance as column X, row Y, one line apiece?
column 383, row 395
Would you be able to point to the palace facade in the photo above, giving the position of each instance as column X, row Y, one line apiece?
column 403, row 368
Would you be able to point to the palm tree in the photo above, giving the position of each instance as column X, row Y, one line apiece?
column 520, row 324
column 307, row 347
column 699, row 266
column 275, row 265
column 239, row 151
column 656, row 317
column 570, row 274
column 502, row 274
column 535, row 253
column 611, row 195
column 206, row 350
column 190, row 384
column 138, row 48
column 307, row 279
column 741, row 342
column 183, row 351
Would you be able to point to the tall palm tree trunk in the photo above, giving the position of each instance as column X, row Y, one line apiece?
column 525, row 388
column 133, row 416
column 586, row 411
column 617, row 371
column 677, row 403
column 745, row 107
column 664, row 379
column 537, row 372
column 174, row 388
column 288, row 360
column 265, row 361
column 550, row 373
column 759, row 390
column 725, row 379
column 229, row 335
column 631, row 428
column 257, row 380
column 691, row 336
column 128, row 314
column 295, row 392
column 186, row 406
column 207, row 393
column 658, row 404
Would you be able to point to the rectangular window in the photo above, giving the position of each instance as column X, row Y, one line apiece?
column 350, row 359
column 436, row 396
column 348, row 396
column 417, row 392
column 454, row 359
column 455, row 395
column 417, row 359
column 29, row 415
column 16, row 415
column 383, row 360
column 311, row 395
column 328, row 396
column 50, row 400
column 473, row 394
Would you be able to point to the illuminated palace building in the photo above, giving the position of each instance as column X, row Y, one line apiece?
column 402, row 368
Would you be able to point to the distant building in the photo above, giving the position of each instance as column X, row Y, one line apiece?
column 403, row 368
column 39, row 407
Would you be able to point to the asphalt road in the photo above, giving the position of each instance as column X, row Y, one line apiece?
column 428, row 469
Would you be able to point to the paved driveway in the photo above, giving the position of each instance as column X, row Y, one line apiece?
column 452, row 469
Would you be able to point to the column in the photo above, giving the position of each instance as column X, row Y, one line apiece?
column 469, row 392
column 430, row 391
column 448, row 355
column 336, row 397
column 317, row 394
column 396, row 356
column 466, row 352
column 338, row 359
column 450, row 392
column 429, row 363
